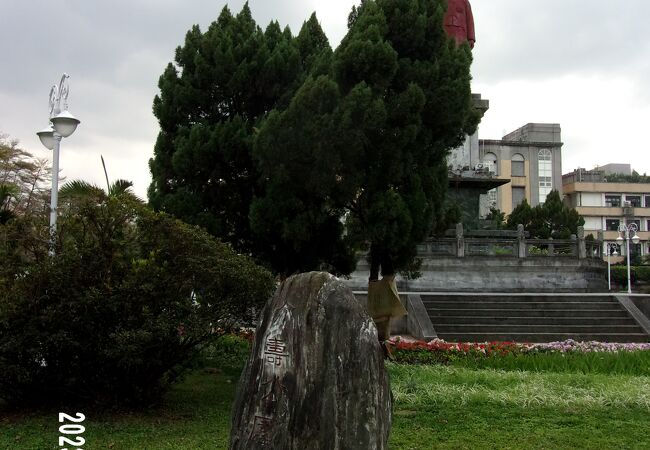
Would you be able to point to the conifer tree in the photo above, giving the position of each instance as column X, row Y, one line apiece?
column 367, row 141
column 212, row 99
column 302, row 155
column 551, row 219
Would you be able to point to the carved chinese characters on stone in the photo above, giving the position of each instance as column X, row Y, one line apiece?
column 262, row 427
column 272, row 405
column 275, row 351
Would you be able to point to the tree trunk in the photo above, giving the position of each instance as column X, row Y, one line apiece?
column 374, row 263
column 380, row 258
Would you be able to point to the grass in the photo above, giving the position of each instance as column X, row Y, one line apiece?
column 435, row 407
column 416, row 386
column 491, row 426
column 618, row 363
column 195, row 414
column 460, row 408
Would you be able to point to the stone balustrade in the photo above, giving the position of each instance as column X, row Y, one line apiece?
column 510, row 244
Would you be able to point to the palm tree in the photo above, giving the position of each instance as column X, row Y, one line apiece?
column 103, row 214
column 120, row 189
column 79, row 189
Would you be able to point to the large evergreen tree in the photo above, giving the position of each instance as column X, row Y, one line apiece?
column 368, row 140
column 301, row 155
column 211, row 100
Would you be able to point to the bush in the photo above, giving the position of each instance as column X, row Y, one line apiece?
column 637, row 274
column 121, row 310
column 228, row 353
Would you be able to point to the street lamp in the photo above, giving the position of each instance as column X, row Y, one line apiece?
column 62, row 124
column 624, row 235
column 610, row 246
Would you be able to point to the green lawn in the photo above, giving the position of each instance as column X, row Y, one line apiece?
column 194, row 415
column 435, row 407
column 460, row 408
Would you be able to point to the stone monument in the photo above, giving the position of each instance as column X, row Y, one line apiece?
column 316, row 377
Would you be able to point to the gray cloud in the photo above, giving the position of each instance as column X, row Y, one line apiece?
column 116, row 50
column 551, row 38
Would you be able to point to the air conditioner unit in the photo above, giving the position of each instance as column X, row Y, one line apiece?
column 627, row 204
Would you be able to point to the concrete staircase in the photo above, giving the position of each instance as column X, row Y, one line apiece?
column 531, row 318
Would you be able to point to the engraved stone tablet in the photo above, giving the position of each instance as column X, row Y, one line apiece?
column 316, row 377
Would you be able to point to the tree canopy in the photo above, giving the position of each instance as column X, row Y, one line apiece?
column 302, row 155
column 23, row 181
column 635, row 177
column 551, row 219
column 222, row 83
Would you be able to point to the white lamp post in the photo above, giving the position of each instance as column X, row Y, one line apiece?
column 624, row 234
column 62, row 124
column 610, row 246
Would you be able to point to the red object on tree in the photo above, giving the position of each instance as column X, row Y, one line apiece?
column 459, row 22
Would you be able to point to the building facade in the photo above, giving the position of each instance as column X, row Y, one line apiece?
column 606, row 205
column 531, row 158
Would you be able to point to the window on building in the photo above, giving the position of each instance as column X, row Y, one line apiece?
column 490, row 159
column 518, row 196
column 647, row 202
column 518, row 165
column 635, row 200
column 545, row 173
column 612, row 224
column 613, row 201
column 648, row 225
column 636, row 222
column 545, row 187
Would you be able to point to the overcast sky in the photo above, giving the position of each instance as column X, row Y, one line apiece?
column 584, row 64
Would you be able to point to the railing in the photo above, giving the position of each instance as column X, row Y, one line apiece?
column 513, row 247
column 490, row 247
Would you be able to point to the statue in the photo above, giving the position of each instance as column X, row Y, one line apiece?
column 459, row 22
column 384, row 304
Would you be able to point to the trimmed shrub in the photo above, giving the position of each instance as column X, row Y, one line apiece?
column 637, row 274
column 122, row 308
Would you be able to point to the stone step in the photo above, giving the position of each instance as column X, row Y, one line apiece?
column 518, row 305
column 618, row 313
column 525, row 320
column 542, row 337
column 518, row 298
column 531, row 318
column 480, row 328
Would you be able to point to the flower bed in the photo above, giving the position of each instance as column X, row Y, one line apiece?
column 439, row 351
column 586, row 347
